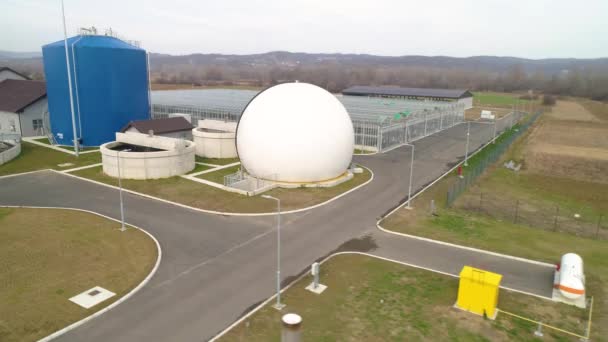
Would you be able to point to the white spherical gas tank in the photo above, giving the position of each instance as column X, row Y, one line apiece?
column 295, row 132
column 571, row 277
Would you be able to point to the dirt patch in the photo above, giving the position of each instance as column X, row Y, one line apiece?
column 570, row 142
column 571, row 111
column 572, row 165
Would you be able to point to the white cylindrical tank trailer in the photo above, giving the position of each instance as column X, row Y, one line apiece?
column 571, row 276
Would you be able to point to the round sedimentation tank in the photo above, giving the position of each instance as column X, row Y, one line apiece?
column 215, row 139
column 139, row 156
column 109, row 87
column 295, row 133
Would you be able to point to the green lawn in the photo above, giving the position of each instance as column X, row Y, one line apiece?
column 65, row 147
column 199, row 168
column 478, row 230
column 178, row 189
column 369, row 299
column 35, row 157
column 48, row 256
column 360, row 151
column 217, row 161
column 496, row 99
column 218, row 176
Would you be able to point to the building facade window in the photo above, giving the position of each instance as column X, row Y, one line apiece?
column 37, row 124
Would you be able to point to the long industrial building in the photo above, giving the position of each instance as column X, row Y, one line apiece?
column 425, row 94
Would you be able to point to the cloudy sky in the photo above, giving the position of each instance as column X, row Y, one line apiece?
column 522, row 28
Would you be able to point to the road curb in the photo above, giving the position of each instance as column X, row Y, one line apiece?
column 121, row 299
column 24, row 173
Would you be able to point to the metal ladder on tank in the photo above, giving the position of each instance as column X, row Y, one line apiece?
column 46, row 124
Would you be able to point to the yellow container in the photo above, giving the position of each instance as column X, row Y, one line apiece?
column 478, row 291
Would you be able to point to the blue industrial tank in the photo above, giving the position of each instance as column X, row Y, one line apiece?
column 109, row 87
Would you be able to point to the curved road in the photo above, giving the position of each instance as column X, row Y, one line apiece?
column 216, row 268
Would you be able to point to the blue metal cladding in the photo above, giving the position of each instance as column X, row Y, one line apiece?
column 109, row 87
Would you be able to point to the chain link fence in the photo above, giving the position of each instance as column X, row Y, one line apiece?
column 464, row 194
column 537, row 214
column 488, row 156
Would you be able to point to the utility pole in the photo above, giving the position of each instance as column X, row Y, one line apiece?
column 278, row 305
column 466, row 152
column 122, row 209
column 67, row 62
column 409, row 192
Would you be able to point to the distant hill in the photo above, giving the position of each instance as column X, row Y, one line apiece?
column 334, row 72
column 18, row 55
column 284, row 59
column 294, row 59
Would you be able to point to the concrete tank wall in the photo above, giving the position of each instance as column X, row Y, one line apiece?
column 214, row 144
column 147, row 165
column 10, row 154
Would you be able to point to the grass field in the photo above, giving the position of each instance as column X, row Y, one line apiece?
column 478, row 230
column 199, row 168
column 368, row 299
column 69, row 148
column 49, row 255
column 494, row 99
column 202, row 196
column 359, row 151
column 216, row 161
column 35, row 157
column 218, row 176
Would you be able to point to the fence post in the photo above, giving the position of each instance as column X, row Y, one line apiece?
column 516, row 211
column 555, row 220
column 597, row 230
column 447, row 200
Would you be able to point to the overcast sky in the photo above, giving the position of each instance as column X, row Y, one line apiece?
column 521, row 28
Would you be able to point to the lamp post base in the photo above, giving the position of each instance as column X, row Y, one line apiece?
column 278, row 306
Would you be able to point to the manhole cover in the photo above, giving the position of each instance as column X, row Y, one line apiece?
column 94, row 293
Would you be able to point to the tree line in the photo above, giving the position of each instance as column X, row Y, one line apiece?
column 334, row 77
column 591, row 82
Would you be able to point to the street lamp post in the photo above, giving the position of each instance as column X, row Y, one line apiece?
column 409, row 192
column 466, row 152
column 278, row 305
column 122, row 209
column 494, row 138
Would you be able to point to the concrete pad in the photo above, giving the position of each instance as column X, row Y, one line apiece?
column 320, row 288
column 92, row 297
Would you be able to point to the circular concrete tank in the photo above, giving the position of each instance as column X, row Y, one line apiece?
column 147, row 165
column 213, row 143
column 295, row 133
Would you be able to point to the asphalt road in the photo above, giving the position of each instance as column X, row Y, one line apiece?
column 215, row 268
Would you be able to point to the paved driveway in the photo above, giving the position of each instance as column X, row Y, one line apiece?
column 215, row 268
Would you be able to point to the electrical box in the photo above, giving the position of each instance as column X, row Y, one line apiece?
column 314, row 269
column 478, row 291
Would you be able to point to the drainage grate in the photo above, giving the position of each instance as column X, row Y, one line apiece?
column 94, row 293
